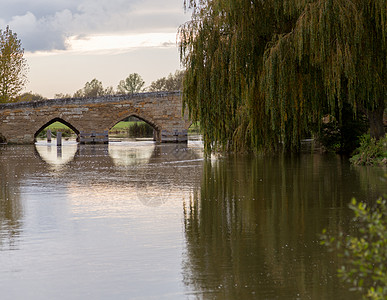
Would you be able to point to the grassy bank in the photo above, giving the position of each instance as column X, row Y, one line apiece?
column 55, row 127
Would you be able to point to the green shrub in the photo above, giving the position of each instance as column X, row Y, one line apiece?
column 140, row 130
column 370, row 151
column 364, row 254
column 342, row 136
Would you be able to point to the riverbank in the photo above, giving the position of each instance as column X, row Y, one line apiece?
column 371, row 152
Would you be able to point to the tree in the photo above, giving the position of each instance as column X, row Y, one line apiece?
column 259, row 74
column 13, row 66
column 174, row 82
column 109, row 91
column 62, row 96
column 336, row 54
column 158, row 85
column 29, row 96
column 94, row 88
column 132, row 84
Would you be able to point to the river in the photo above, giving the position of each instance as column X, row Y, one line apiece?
column 136, row 220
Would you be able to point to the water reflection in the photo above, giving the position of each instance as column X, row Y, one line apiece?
column 121, row 154
column 11, row 210
column 165, row 175
column 151, row 170
column 131, row 153
column 152, row 221
column 56, row 156
column 252, row 228
column 93, row 228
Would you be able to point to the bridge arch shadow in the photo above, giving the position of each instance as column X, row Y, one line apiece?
column 156, row 129
column 76, row 131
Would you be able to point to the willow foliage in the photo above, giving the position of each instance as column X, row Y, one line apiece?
column 259, row 73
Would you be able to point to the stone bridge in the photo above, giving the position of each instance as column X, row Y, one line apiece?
column 91, row 118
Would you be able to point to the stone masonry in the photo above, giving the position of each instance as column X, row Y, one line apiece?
column 21, row 122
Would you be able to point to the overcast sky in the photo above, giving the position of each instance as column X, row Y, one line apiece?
column 70, row 42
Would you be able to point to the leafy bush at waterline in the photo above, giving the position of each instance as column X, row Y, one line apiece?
column 365, row 253
column 140, row 130
column 342, row 136
column 131, row 129
column 370, row 151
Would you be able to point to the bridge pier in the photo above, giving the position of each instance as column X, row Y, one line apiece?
column 174, row 136
column 94, row 137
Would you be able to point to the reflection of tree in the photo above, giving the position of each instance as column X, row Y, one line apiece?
column 170, row 153
column 165, row 172
column 371, row 178
column 10, row 207
column 253, row 227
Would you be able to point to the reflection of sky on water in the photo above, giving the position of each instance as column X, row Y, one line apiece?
column 151, row 172
column 56, row 156
column 102, row 201
column 126, row 153
column 96, row 222
column 131, row 153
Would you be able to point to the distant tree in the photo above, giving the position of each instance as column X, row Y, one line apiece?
column 174, row 82
column 62, row 96
column 29, row 96
column 93, row 88
column 13, row 66
column 132, row 84
column 158, row 85
column 109, row 91
column 79, row 94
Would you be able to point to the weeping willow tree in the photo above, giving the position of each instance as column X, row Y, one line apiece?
column 260, row 73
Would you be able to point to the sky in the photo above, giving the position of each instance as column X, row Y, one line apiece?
column 70, row 42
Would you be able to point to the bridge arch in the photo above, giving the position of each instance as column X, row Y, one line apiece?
column 125, row 114
column 142, row 117
column 60, row 120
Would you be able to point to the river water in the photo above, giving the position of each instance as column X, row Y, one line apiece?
column 135, row 220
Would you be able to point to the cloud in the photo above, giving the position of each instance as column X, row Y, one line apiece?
column 46, row 25
column 46, row 33
column 118, row 43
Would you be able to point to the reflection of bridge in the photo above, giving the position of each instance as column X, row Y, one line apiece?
column 20, row 123
column 139, row 169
